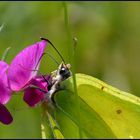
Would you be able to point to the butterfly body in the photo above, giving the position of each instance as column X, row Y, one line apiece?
column 62, row 73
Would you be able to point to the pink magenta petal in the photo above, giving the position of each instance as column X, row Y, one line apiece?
column 21, row 69
column 5, row 92
column 5, row 116
column 32, row 96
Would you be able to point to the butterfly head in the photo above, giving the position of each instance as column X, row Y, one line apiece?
column 64, row 71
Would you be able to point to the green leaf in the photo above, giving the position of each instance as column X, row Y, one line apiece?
column 105, row 112
column 49, row 127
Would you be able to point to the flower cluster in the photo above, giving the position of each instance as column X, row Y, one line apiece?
column 21, row 75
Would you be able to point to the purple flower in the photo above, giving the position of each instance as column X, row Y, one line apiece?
column 32, row 95
column 5, row 94
column 22, row 76
column 22, row 73
column 5, row 116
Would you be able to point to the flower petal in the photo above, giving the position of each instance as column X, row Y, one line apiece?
column 32, row 96
column 5, row 92
column 3, row 66
column 5, row 116
column 21, row 68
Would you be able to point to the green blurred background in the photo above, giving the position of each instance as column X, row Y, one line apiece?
column 108, row 47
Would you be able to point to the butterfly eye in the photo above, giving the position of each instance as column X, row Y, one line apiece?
column 62, row 71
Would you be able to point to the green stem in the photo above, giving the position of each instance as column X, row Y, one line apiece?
column 72, row 61
column 5, row 53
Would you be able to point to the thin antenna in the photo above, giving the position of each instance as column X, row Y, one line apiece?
column 53, row 47
column 52, row 58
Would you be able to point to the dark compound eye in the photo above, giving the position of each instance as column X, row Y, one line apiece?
column 63, row 70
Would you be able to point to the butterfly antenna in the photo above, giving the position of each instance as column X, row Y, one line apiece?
column 52, row 58
column 53, row 47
